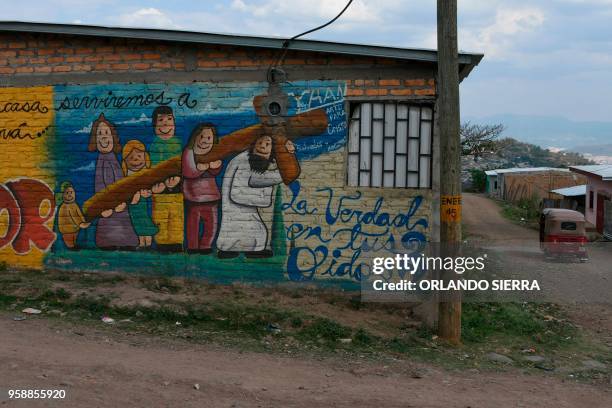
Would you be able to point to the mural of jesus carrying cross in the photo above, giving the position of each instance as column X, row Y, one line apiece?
column 264, row 155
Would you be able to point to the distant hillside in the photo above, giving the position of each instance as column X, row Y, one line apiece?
column 512, row 153
column 551, row 131
column 596, row 150
column 521, row 154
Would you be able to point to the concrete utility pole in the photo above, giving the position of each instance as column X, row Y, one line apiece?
column 449, row 320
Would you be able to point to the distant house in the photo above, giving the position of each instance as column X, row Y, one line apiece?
column 598, row 196
column 519, row 183
column 491, row 186
column 573, row 198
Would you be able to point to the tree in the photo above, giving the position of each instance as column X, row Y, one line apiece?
column 477, row 139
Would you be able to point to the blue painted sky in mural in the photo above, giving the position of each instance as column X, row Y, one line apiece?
column 227, row 105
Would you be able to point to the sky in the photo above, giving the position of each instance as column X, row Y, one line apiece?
column 542, row 57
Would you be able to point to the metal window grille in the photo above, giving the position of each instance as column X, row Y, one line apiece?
column 390, row 145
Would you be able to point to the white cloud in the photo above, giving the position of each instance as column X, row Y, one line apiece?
column 307, row 11
column 497, row 40
column 147, row 17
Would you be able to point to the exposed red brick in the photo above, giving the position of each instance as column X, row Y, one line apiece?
column 354, row 92
column 424, row 92
column 414, row 82
column 141, row 66
column 62, row 68
column 131, row 57
column 249, row 63
column 18, row 61
column 227, row 63
column 24, row 70
column 401, row 92
column 151, row 56
column 112, row 58
column 74, row 59
column 93, row 58
column 161, row 65
column 376, row 92
column 81, row 67
column 55, row 60
column 45, row 69
column 206, row 64
column 389, row 82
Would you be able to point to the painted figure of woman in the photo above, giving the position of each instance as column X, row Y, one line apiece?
column 200, row 189
column 114, row 229
column 136, row 158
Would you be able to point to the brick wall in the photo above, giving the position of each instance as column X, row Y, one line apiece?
column 76, row 79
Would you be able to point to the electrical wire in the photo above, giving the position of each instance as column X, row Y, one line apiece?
column 287, row 42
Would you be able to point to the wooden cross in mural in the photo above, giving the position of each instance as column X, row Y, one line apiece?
column 281, row 128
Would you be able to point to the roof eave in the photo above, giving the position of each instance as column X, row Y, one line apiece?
column 467, row 61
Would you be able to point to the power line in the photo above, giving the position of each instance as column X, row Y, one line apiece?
column 286, row 44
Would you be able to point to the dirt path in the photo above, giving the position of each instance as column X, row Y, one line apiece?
column 585, row 288
column 102, row 369
column 482, row 218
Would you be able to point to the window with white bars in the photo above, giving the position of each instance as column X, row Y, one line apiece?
column 390, row 145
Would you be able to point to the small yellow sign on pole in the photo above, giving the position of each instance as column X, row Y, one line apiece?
column 450, row 209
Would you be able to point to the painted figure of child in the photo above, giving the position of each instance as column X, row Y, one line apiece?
column 70, row 218
column 135, row 159
column 200, row 189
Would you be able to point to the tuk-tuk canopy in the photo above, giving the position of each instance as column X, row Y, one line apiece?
column 561, row 214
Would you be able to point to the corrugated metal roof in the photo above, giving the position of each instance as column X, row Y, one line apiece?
column 491, row 173
column 528, row 170
column 602, row 171
column 571, row 191
column 467, row 60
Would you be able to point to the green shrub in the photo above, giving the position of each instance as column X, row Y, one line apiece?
column 479, row 180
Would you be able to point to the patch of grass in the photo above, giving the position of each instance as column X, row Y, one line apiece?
column 363, row 338
column 7, row 300
column 297, row 322
column 161, row 284
column 324, row 329
column 525, row 211
column 54, row 296
column 247, row 318
column 96, row 306
column 481, row 321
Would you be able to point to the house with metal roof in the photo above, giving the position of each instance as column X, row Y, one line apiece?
column 214, row 155
column 598, row 195
column 515, row 184
column 572, row 198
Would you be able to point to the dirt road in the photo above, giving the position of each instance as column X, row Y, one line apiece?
column 585, row 289
column 98, row 369
column 482, row 218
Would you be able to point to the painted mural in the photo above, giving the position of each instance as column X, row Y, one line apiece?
column 191, row 180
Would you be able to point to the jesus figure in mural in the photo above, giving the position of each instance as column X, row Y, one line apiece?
column 247, row 186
